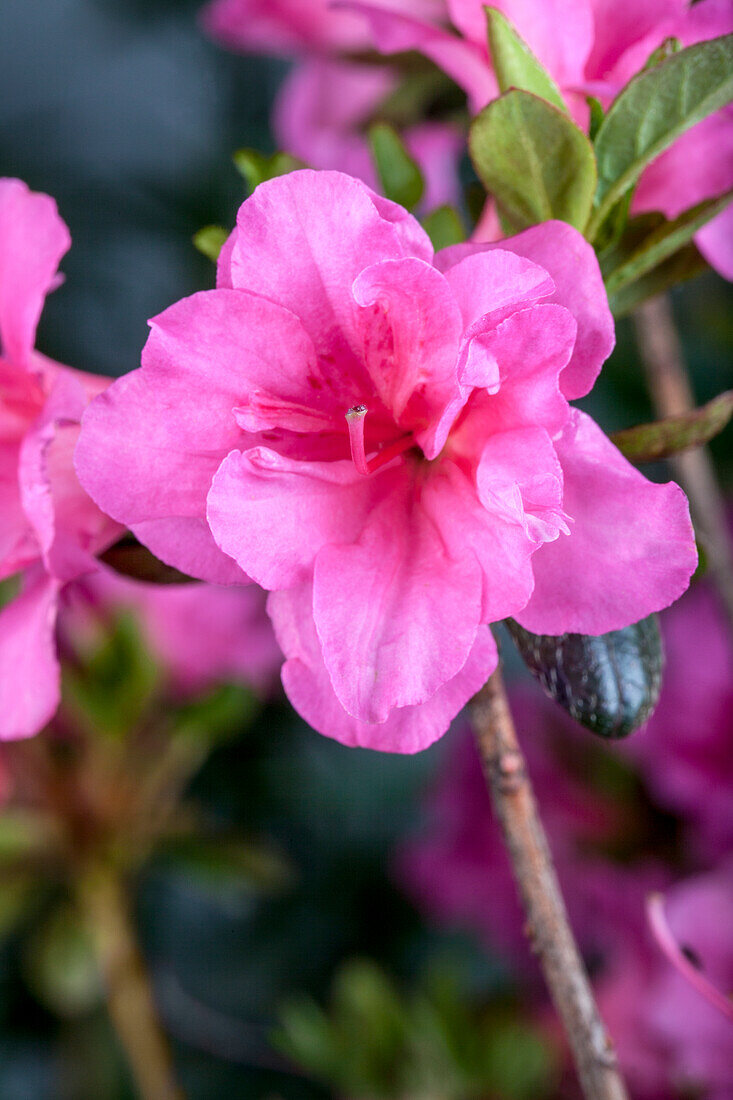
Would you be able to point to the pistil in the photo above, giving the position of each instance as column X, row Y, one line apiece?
column 355, row 418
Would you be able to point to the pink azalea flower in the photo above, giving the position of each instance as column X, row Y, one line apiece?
column 321, row 114
column 382, row 438
column 685, row 751
column 50, row 528
column 591, row 47
column 672, row 1041
column 200, row 634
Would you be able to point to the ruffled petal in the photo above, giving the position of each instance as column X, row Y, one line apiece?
column 273, row 514
column 631, row 550
column 33, row 238
column 291, row 248
column 407, row 729
column 571, row 263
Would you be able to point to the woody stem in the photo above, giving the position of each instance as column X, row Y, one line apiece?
column 103, row 900
column 671, row 394
column 547, row 922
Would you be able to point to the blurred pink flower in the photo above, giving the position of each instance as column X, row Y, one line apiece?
column 297, row 27
column 591, row 47
column 200, row 634
column 50, row 528
column 672, row 1041
column 459, row 489
column 457, row 868
column 321, row 114
column 686, row 750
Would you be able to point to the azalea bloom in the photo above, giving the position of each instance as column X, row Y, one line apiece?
column 50, row 529
column 321, row 114
column 382, row 438
column 591, row 47
column 199, row 634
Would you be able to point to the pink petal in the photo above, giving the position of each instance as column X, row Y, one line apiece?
column 493, row 283
column 620, row 25
column 411, row 330
column 464, row 61
column 559, row 32
column 631, row 550
column 407, row 729
column 150, row 445
column 715, row 241
column 500, row 545
column 33, row 238
column 520, row 479
column 282, row 26
column 292, row 249
column 273, row 514
column 397, row 611
column 69, row 527
column 573, row 267
column 29, row 668
column 532, row 348
column 18, row 545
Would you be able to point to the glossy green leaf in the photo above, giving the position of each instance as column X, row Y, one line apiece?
column 663, row 241
column 609, row 683
column 535, row 161
column 653, row 110
column 209, row 240
column 399, row 175
column 257, row 167
column 514, row 63
column 444, row 227
column 651, row 442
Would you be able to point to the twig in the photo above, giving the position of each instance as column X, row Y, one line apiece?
column 129, row 996
column 547, row 921
column 671, row 394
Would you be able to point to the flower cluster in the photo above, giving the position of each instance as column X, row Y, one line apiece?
column 600, row 48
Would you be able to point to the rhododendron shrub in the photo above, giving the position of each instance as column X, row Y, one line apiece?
column 591, row 48
column 382, row 438
column 50, row 528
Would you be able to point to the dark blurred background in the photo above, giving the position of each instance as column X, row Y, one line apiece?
column 128, row 116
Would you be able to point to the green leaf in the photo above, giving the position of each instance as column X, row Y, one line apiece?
column 653, row 110
column 663, row 241
column 668, row 47
column 535, row 161
column 257, row 167
column 514, row 63
column 609, row 683
column 597, row 115
column 227, row 861
column 444, row 227
column 210, row 240
column 399, row 175
column 683, row 265
column 650, row 442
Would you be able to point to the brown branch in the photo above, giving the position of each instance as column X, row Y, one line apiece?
column 547, row 921
column 671, row 394
column 129, row 996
